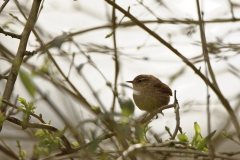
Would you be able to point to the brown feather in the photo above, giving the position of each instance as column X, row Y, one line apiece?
column 164, row 89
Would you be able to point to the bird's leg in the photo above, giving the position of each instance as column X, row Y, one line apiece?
column 145, row 115
column 157, row 113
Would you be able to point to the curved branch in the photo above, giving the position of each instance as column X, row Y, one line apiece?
column 24, row 111
column 41, row 126
column 115, row 91
column 13, row 35
column 152, row 114
column 163, row 147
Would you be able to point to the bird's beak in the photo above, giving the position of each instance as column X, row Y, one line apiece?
column 129, row 81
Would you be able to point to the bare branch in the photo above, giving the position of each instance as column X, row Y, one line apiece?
column 3, row 5
column 13, row 35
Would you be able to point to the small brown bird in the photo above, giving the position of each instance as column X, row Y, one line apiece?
column 149, row 93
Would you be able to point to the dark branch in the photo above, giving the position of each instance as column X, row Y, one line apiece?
column 13, row 35
column 41, row 126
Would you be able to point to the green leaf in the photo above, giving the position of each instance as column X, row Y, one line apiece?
column 75, row 144
column 197, row 128
column 202, row 144
column 22, row 101
column 49, row 122
column 159, row 140
column 54, row 144
column 80, row 67
column 147, row 129
column 23, row 153
column 45, row 66
column 43, row 143
column 168, row 130
column 37, row 152
column 47, row 150
column 39, row 133
column 2, row 118
column 204, row 141
column 57, row 140
column 196, row 139
column 7, row 25
column 227, row 134
column 224, row 133
column 129, row 8
column 109, row 35
column 182, row 137
column 126, row 105
column 180, row 130
column 140, row 133
column 210, row 135
column 96, row 109
column 31, row 107
column 27, row 82
column 73, row 55
column 92, row 148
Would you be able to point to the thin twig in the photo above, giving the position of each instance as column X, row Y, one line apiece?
column 72, row 152
column 177, row 116
column 41, row 126
column 152, row 114
column 23, row 110
column 94, row 65
column 231, row 8
column 204, row 46
column 3, row 77
column 3, row 5
column 162, row 21
column 7, row 147
column 230, row 153
column 147, row 8
column 207, row 67
column 8, row 153
column 13, row 35
column 115, row 91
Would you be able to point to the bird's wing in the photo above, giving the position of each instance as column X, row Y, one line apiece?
column 164, row 89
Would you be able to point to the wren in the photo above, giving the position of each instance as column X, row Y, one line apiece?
column 149, row 93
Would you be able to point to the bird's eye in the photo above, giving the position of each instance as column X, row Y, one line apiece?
column 142, row 79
